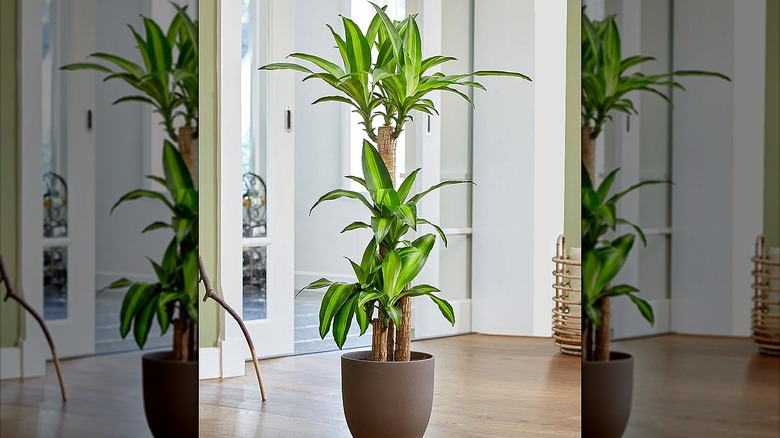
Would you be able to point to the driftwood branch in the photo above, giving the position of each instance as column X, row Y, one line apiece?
column 10, row 293
column 210, row 294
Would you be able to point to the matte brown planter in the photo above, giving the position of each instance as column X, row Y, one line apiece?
column 387, row 399
column 607, row 388
column 170, row 395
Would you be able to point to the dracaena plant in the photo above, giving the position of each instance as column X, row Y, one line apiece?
column 606, row 82
column 389, row 263
column 604, row 259
column 173, row 298
column 382, row 72
column 167, row 79
column 382, row 75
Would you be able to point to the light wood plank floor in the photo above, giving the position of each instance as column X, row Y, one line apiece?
column 697, row 386
column 486, row 386
column 104, row 399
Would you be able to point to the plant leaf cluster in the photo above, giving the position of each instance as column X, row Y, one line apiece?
column 605, row 78
column 603, row 259
column 389, row 263
column 177, row 272
column 168, row 77
column 382, row 72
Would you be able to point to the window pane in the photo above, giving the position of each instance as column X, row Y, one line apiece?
column 254, row 87
column 254, row 282
column 55, row 283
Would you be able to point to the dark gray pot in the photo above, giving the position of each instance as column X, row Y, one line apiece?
column 170, row 395
column 607, row 388
column 387, row 399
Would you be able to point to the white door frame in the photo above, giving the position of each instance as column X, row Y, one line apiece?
column 75, row 335
column 274, row 336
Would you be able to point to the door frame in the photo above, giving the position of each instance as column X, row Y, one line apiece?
column 275, row 334
column 75, row 335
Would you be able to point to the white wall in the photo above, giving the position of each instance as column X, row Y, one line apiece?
column 716, row 199
column 519, row 147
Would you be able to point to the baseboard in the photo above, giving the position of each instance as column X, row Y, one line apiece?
column 10, row 363
column 304, row 278
column 208, row 363
column 104, row 278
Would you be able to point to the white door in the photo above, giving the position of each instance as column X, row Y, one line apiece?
column 256, row 178
column 58, row 162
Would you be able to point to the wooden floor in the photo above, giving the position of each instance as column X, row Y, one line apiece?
column 486, row 386
column 104, row 400
column 697, row 386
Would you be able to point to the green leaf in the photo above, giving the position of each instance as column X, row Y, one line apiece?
column 363, row 316
column 343, row 320
column 191, row 275
column 374, row 169
column 176, row 173
column 368, row 295
column 138, row 295
column 359, row 272
column 369, row 259
column 143, row 321
column 407, row 184
column 317, row 284
column 285, row 66
column 329, row 67
column 358, row 180
column 644, row 308
column 407, row 213
column 391, row 31
column 86, row 66
column 158, row 47
column 435, row 227
column 356, row 225
column 141, row 193
column 334, row 298
column 381, row 226
column 341, row 193
column 413, row 260
column 394, row 312
column 130, row 67
column 419, row 196
column 391, row 271
column 119, row 284
column 445, row 308
column 156, row 226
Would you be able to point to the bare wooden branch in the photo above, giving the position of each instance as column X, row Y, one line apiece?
column 210, row 294
column 10, row 293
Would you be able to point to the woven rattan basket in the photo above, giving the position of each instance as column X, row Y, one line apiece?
column 766, row 298
column 566, row 314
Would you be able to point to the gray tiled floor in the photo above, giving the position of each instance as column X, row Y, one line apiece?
column 307, row 339
column 107, row 338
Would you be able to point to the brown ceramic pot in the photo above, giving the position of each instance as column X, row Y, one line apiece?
column 387, row 399
column 170, row 395
column 607, row 389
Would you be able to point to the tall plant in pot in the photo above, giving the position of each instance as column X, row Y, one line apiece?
column 384, row 77
column 605, row 87
column 168, row 80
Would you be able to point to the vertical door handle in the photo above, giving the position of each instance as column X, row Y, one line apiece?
column 89, row 120
column 288, row 119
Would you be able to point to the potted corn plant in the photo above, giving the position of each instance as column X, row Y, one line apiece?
column 168, row 81
column 605, row 86
column 384, row 77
